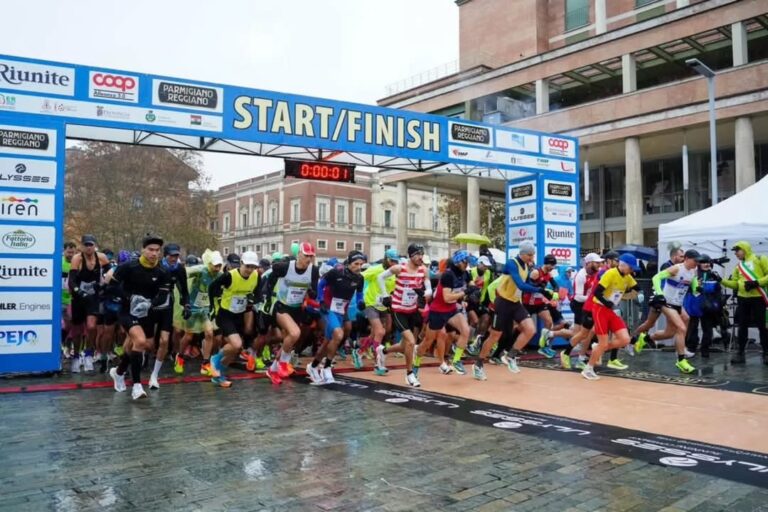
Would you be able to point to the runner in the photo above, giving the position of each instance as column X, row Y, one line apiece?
column 538, row 304
column 338, row 289
column 144, row 284
column 85, row 274
column 377, row 314
column 66, row 298
column 295, row 281
column 612, row 286
column 585, row 280
column 229, row 296
column 477, row 303
column 509, row 310
column 411, row 283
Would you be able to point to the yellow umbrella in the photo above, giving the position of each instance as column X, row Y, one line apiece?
column 471, row 238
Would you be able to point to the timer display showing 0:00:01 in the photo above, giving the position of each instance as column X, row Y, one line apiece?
column 320, row 171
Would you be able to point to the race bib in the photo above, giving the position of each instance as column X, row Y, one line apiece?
column 295, row 296
column 202, row 301
column 410, row 298
column 140, row 306
column 238, row 303
column 616, row 298
column 88, row 288
column 339, row 305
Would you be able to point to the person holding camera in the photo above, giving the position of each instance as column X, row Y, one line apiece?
column 749, row 279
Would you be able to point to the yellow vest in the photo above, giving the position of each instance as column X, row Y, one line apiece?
column 508, row 289
column 234, row 298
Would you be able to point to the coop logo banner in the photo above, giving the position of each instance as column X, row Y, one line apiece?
column 27, row 272
column 20, row 140
column 522, row 213
column 170, row 93
column 25, row 339
column 16, row 306
column 521, row 192
column 26, row 76
column 565, row 255
column 27, row 207
column 20, row 239
column 555, row 146
column 519, row 234
column 107, row 85
column 469, row 134
column 25, row 173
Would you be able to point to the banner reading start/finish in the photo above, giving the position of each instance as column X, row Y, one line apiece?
column 128, row 100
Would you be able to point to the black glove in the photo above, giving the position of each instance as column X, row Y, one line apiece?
column 360, row 305
column 251, row 298
column 751, row 285
column 546, row 292
column 187, row 312
column 419, row 291
column 80, row 293
column 658, row 300
column 386, row 302
column 716, row 277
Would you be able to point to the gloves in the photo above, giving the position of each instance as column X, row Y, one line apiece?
column 187, row 312
column 544, row 291
column 658, row 300
column 251, row 298
column 80, row 293
column 419, row 291
column 555, row 296
column 640, row 297
column 751, row 285
column 386, row 302
column 360, row 305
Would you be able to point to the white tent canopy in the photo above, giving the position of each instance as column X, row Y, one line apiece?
column 743, row 216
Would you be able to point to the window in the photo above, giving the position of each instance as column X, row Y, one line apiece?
column 244, row 218
column 225, row 223
column 257, row 216
column 258, row 249
column 576, row 14
column 359, row 246
column 359, row 218
column 411, row 220
column 641, row 3
column 341, row 213
column 272, row 247
column 341, row 245
column 387, row 247
column 295, row 210
column 273, row 213
column 226, row 251
column 387, row 218
column 322, row 245
column 323, row 207
column 243, row 249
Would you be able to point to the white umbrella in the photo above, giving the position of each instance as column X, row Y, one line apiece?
column 498, row 255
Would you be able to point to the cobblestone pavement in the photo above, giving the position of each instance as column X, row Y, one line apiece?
column 298, row 447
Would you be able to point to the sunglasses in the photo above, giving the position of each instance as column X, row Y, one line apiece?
column 89, row 244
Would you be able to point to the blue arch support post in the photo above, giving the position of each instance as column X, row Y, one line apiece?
column 31, row 202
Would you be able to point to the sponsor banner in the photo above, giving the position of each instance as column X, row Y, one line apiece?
column 559, row 212
column 7, row 102
column 560, row 190
column 25, row 339
column 470, row 134
column 518, row 234
column 522, row 213
column 521, row 192
column 22, row 140
column 555, row 146
column 27, row 173
column 20, row 206
column 42, row 78
column 517, row 141
column 557, row 234
column 17, row 306
column 18, row 272
column 511, row 159
column 20, row 239
column 566, row 256
column 108, row 85
column 171, row 93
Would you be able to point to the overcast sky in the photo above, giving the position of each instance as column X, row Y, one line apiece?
column 341, row 49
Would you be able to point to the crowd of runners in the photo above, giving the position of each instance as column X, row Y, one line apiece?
column 261, row 314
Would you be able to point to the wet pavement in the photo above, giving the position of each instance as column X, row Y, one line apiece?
column 192, row 446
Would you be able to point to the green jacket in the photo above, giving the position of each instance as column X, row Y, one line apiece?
column 758, row 265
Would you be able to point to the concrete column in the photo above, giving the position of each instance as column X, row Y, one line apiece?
column 745, row 154
column 250, row 210
column 628, row 73
column 401, row 232
column 463, row 212
column 473, row 208
column 236, row 220
column 542, row 96
column 633, row 190
column 739, row 40
column 281, row 206
column 601, row 22
column 682, row 3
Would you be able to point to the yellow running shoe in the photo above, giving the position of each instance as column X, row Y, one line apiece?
column 565, row 360
column 685, row 367
column 616, row 364
column 178, row 365
column 259, row 365
column 207, row 370
column 266, row 354
column 640, row 343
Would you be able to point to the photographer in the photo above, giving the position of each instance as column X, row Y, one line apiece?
column 705, row 309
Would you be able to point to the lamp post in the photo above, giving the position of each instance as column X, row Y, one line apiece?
column 707, row 73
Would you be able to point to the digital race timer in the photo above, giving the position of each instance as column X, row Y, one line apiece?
column 322, row 171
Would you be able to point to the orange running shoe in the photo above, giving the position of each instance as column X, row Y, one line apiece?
column 250, row 361
column 284, row 370
column 208, row 370
column 274, row 377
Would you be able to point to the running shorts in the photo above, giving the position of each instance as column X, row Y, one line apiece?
column 230, row 323
column 407, row 321
column 606, row 320
column 508, row 311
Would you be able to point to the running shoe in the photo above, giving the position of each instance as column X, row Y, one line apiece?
column 77, row 362
column 511, row 363
column 630, row 350
column 381, row 357
column 416, row 360
column 274, row 377
column 380, row 371
column 260, row 365
column 313, row 373
column 589, row 374
column 138, row 392
column 88, row 363
column 496, row 360
column 565, row 360
column 342, row 353
column 479, row 373
column 640, row 343
column 250, row 361
column 294, row 360
column 216, row 363
column 459, row 367
column 357, row 362
column 208, row 371
column 580, row 364
column 445, row 369
column 544, row 338
column 266, row 354
column 415, row 370
column 178, row 364
column 328, row 376
column 616, row 364
column 119, row 351
column 284, row 370
column 119, row 380
column 685, row 367
column 412, row 380
column 222, row 381
column 153, row 384
column 547, row 352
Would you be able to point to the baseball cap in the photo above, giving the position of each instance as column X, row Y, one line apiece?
column 549, row 259
column 593, row 257
column 172, row 250
column 233, row 259
column 264, row 263
column 216, row 259
column 306, row 249
column 692, row 253
column 88, row 239
column 527, row 248
column 611, row 255
column 249, row 258
column 151, row 239
column 629, row 260
column 391, row 254
column 483, row 260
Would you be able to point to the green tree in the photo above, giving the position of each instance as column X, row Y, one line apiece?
column 492, row 218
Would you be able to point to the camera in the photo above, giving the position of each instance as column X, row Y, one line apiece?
column 721, row 261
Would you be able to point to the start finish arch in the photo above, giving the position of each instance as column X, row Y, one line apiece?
column 43, row 103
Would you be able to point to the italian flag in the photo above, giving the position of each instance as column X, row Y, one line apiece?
column 750, row 275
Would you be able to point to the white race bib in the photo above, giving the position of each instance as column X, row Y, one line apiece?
column 238, row 303
column 88, row 288
column 616, row 298
column 339, row 305
column 409, row 298
column 202, row 301
column 140, row 306
column 295, row 296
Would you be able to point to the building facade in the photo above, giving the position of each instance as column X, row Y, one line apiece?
column 614, row 74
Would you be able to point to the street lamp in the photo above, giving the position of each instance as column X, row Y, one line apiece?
column 707, row 73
